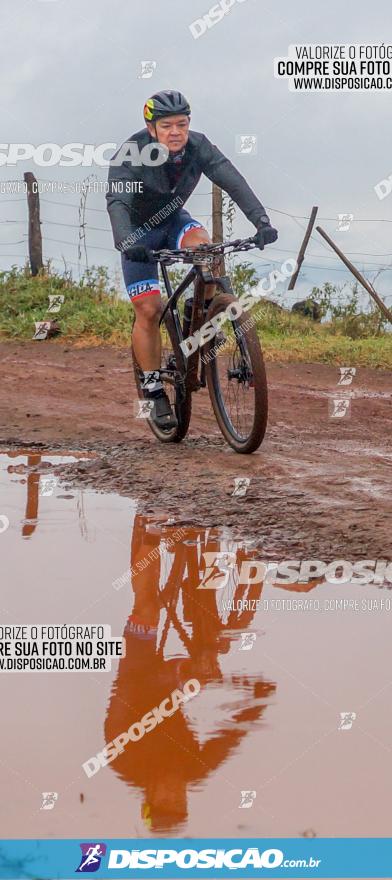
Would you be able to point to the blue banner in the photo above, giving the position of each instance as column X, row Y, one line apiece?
column 204, row 857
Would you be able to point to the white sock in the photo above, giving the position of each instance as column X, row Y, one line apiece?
column 151, row 381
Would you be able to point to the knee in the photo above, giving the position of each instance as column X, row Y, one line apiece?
column 195, row 236
column 147, row 312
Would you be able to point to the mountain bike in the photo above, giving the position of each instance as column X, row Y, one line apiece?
column 219, row 349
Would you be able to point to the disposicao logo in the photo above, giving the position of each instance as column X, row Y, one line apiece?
column 91, row 857
column 233, row 859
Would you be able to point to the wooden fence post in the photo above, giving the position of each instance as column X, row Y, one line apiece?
column 217, row 223
column 370, row 289
column 303, row 247
column 35, row 237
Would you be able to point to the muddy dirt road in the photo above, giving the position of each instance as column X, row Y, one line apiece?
column 319, row 485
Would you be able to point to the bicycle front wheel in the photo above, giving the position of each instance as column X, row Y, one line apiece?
column 236, row 378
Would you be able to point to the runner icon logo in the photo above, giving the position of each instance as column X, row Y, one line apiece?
column 47, row 484
column 247, row 641
column 346, row 720
column 241, row 485
column 218, row 568
column 247, row 798
column 344, row 222
column 147, row 69
column 339, row 407
column 143, row 408
column 91, row 857
column 49, row 799
column 55, row 302
column 246, row 143
column 346, row 375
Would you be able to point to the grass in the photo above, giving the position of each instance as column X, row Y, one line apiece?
column 338, row 350
column 93, row 314
column 89, row 315
column 288, row 337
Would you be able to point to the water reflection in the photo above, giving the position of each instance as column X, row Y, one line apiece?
column 35, row 462
column 31, row 513
column 175, row 632
column 265, row 719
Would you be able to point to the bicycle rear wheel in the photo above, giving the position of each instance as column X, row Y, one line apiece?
column 236, row 379
column 172, row 372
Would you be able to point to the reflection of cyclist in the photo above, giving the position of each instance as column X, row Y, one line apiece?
column 170, row 759
column 154, row 217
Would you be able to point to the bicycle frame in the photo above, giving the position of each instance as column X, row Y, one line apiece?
column 173, row 296
column 202, row 277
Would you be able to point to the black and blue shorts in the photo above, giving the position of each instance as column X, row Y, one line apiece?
column 141, row 279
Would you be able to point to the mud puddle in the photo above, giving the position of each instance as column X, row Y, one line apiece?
column 290, row 731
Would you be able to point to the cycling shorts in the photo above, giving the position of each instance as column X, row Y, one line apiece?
column 141, row 279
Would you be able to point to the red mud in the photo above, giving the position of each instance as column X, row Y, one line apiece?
column 318, row 485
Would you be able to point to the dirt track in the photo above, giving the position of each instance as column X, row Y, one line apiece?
column 320, row 486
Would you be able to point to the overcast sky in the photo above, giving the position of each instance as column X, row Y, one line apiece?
column 71, row 71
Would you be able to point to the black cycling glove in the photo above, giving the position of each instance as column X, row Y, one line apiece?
column 138, row 254
column 266, row 234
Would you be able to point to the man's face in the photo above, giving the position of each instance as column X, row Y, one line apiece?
column 172, row 131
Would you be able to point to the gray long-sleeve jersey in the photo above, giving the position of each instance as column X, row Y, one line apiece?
column 129, row 208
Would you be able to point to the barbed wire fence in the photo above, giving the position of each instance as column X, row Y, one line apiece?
column 84, row 214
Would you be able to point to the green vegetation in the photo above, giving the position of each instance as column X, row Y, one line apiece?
column 94, row 314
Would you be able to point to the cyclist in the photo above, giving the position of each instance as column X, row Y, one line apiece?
column 145, row 205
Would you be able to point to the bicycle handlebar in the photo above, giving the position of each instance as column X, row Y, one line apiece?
column 201, row 251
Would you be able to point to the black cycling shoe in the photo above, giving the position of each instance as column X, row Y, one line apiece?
column 162, row 414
